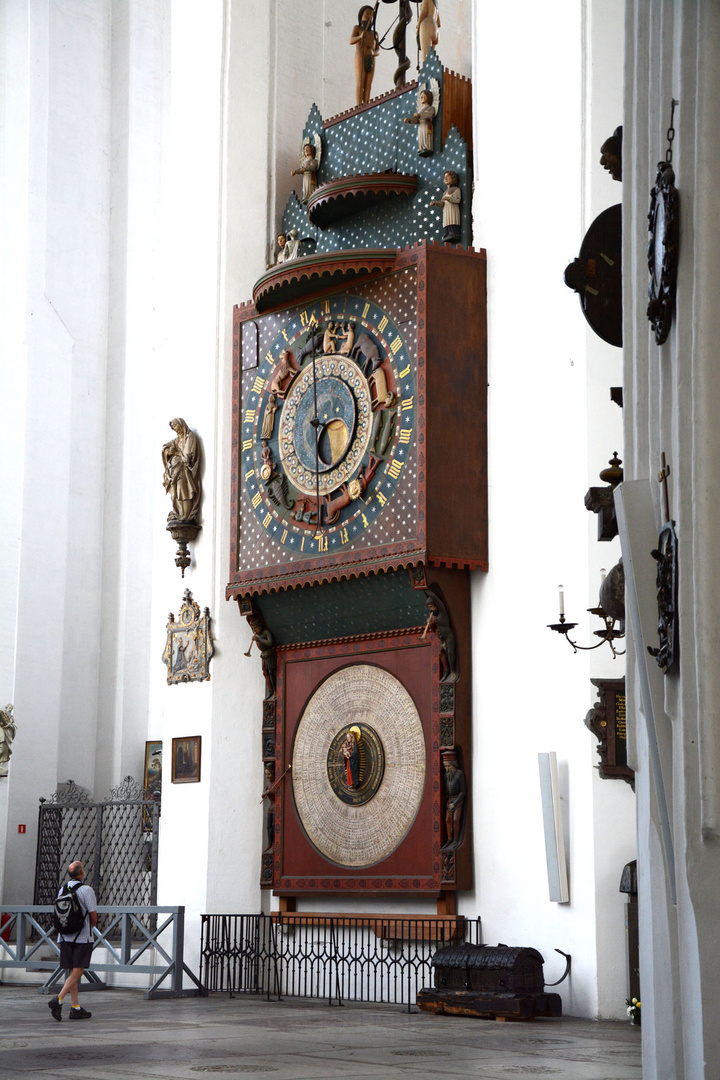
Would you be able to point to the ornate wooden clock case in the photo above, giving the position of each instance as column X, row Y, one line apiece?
column 359, row 509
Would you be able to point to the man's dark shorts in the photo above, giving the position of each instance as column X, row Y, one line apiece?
column 75, row 954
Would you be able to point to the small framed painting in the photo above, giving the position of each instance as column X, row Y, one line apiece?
column 186, row 760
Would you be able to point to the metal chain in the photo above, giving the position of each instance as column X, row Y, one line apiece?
column 671, row 131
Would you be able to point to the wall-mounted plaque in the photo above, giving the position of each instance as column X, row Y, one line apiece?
column 606, row 719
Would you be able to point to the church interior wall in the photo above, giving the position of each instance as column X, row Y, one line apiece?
column 185, row 228
column 550, row 425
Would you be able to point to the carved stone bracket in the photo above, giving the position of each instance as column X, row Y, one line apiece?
column 607, row 721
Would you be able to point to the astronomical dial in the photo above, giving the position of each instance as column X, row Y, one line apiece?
column 357, row 805
column 329, row 425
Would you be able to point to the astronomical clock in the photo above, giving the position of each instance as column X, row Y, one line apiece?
column 359, row 510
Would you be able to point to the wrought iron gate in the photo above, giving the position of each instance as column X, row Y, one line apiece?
column 116, row 840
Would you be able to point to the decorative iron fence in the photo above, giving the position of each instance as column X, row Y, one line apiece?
column 374, row 958
column 117, row 841
column 27, row 943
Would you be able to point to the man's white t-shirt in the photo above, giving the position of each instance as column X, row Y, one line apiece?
column 86, row 897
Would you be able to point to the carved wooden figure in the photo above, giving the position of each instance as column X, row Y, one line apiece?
column 266, row 643
column 310, row 156
column 427, row 107
column 428, row 25
column 450, row 205
column 269, row 795
column 456, row 793
column 367, row 47
column 181, row 459
column 285, row 373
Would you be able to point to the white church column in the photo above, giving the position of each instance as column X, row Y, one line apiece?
column 673, row 398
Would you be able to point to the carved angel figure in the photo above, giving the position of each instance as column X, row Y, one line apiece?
column 428, row 103
column 310, row 155
column 181, row 458
column 8, row 728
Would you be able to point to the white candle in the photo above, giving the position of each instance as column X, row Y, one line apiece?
column 562, row 600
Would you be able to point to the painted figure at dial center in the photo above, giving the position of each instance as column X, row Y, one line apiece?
column 351, row 753
column 367, row 47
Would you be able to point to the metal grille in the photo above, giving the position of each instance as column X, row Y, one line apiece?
column 116, row 840
column 350, row 958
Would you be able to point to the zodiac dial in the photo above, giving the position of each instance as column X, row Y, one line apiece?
column 329, row 425
column 357, row 786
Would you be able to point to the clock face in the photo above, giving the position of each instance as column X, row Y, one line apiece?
column 357, row 804
column 329, row 426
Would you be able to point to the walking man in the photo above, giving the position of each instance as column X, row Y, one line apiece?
column 76, row 949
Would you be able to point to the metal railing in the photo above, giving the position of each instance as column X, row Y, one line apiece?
column 123, row 945
column 373, row 958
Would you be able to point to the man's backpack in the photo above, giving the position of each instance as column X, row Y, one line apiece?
column 68, row 914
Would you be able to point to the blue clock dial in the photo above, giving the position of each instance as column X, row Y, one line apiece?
column 330, row 423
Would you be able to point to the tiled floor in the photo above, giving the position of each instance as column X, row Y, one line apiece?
column 192, row 1038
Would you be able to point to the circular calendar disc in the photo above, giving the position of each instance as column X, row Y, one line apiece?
column 359, row 826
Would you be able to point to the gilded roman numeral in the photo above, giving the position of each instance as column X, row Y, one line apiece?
column 249, row 475
column 382, row 499
column 247, row 444
column 267, row 519
column 394, row 468
column 269, row 357
column 250, row 416
column 325, row 309
column 396, row 345
column 283, row 538
column 304, row 318
column 383, row 323
column 256, row 500
column 365, row 311
column 366, row 523
column 405, row 435
column 258, row 385
column 344, row 536
column 404, row 374
column 407, row 403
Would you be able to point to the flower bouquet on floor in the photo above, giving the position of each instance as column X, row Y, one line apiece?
column 633, row 1010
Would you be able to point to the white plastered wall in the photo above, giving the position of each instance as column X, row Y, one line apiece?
column 547, row 86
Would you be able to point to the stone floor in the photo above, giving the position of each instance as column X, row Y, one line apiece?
column 190, row 1038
